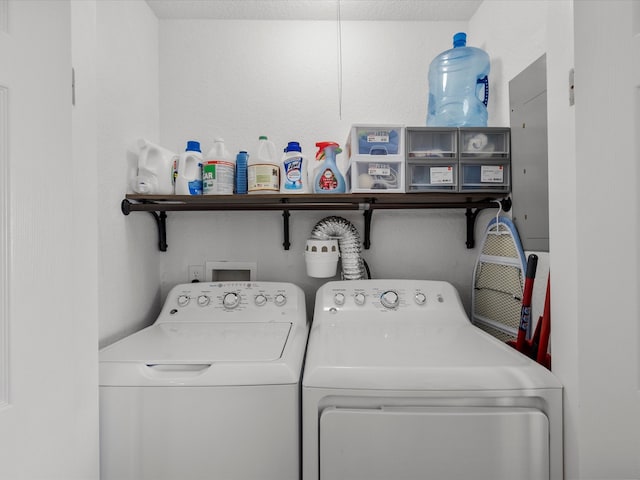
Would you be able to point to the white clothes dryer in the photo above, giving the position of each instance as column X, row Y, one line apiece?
column 398, row 384
column 210, row 390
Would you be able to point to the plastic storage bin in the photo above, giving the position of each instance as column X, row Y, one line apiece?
column 376, row 161
column 384, row 176
column 375, row 140
column 431, row 159
column 485, row 159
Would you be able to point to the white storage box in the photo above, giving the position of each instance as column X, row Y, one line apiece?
column 379, row 174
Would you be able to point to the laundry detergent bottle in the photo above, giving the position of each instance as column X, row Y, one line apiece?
column 293, row 170
column 459, row 86
column 263, row 171
column 327, row 176
column 188, row 171
column 154, row 174
column 218, row 170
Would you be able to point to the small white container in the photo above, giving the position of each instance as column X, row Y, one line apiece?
column 321, row 258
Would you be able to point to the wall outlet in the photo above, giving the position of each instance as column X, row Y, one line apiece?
column 196, row 273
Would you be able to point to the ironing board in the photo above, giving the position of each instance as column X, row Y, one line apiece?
column 498, row 281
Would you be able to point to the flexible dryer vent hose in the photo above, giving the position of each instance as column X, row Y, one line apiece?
column 348, row 242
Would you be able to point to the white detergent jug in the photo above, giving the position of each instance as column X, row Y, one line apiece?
column 188, row 171
column 154, row 174
column 218, row 170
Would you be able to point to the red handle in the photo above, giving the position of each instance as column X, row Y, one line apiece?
column 545, row 329
column 525, row 312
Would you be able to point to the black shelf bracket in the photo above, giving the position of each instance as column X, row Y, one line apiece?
column 368, row 213
column 160, row 218
column 285, row 221
column 161, row 221
column 472, row 215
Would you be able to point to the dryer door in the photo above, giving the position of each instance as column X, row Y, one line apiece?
column 480, row 443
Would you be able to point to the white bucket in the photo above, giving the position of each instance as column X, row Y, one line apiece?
column 321, row 258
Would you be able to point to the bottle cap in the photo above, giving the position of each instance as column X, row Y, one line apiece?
column 460, row 40
column 293, row 147
column 193, row 146
column 262, row 137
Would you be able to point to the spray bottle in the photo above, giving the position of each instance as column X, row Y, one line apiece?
column 327, row 178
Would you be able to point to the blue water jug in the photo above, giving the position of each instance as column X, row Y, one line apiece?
column 459, row 86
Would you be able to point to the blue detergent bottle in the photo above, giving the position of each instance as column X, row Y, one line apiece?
column 459, row 86
column 328, row 178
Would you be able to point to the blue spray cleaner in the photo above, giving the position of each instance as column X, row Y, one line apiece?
column 328, row 178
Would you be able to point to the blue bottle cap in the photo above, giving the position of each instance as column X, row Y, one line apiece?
column 293, row 147
column 193, row 146
column 460, row 40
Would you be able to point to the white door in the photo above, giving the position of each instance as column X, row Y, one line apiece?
column 48, row 360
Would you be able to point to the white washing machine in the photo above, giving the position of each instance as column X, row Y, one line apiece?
column 398, row 384
column 211, row 390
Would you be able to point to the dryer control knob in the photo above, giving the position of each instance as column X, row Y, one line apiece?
column 421, row 298
column 230, row 300
column 359, row 298
column 183, row 300
column 280, row 300
column 203, row 300
column 339, row 298
column 390, row 299
column 260, row 300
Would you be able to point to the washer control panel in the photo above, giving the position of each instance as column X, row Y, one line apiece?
column 386, row 296
column 261, row 301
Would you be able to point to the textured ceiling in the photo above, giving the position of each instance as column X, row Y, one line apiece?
column 429, row 10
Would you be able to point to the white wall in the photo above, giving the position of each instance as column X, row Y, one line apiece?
column 607, row 122
column 594, row 272
column 127, row 108
column 242, row 79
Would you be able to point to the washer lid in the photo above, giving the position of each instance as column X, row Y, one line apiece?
column 182, row 343
column 415, row 354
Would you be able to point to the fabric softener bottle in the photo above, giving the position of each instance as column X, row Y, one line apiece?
column 328, row 178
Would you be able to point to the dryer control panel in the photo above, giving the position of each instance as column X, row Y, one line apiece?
column 232, row 301
column 387, row 296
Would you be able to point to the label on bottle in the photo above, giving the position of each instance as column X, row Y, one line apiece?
column 263, row 177
column 327, row 181
column 293, row 174
column 217, row 177
column 195, row 187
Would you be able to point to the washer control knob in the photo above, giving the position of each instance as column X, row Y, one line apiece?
column 183, row 300
column 360, row 298
column 203, row 300
column 421, row 298
column 260, row 300
column 339, row 299
column 390, row 299
column 230, row 300
column 280, row 300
